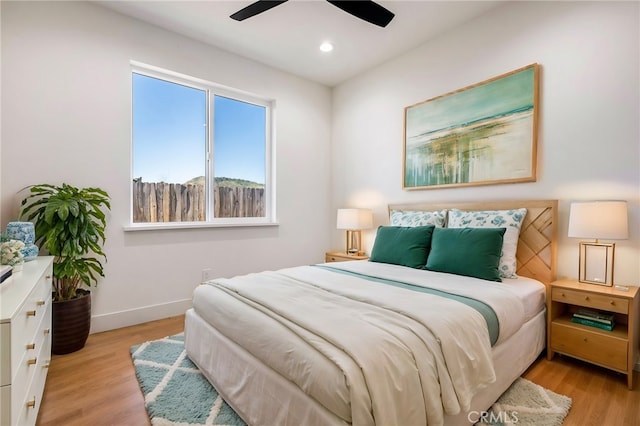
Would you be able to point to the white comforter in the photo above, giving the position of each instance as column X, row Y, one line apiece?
column 369, row 352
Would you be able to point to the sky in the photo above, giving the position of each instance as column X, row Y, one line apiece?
column 169, row 134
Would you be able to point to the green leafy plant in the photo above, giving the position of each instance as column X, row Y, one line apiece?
column 70, row 224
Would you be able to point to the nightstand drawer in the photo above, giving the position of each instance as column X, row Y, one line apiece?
column 592, row 346
column 342, row 257
column 333, row 258
column 589, row 300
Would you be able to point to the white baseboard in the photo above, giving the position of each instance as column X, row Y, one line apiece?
column 141, row 315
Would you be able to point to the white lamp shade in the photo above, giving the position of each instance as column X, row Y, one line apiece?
column 605, row 220
column 354, row 219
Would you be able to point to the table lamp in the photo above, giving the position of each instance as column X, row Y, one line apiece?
column 354, row 220
column 598, row 220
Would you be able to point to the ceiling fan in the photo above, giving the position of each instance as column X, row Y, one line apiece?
column 366, row 10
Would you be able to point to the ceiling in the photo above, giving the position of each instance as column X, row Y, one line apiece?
column 288, row 36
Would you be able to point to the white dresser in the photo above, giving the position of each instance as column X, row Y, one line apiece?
column 25, row 341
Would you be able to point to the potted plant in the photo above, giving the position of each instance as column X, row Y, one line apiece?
column 70, row 225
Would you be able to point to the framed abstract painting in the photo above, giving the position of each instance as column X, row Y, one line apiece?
column 480, row 135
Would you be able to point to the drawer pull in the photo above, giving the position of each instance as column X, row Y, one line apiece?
column 585, row 340
column 46, row 331
column 31, row 346
column 31, row 313
column 31, row 403
column 48, row 277
column 32, row 361
column 612, row 302
column 586, row 298
column 46, row 364
column 40, row 302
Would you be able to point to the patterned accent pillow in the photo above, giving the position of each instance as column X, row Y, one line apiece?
column 510, row 219
column 417, row 218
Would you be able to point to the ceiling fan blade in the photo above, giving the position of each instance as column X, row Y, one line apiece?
column 367, row 10
column 255, row 8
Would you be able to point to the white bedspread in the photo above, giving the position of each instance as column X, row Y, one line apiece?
column 369, row 352
column 506, row 301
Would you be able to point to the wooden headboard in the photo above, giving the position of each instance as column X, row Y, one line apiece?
column 537, row 244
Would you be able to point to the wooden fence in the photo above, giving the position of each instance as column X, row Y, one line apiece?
column 173, row 202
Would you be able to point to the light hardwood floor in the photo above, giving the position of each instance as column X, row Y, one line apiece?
column 97, row 385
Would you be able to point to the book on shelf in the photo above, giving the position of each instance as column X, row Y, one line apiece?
column 586, row 317
column 592, row 323
column 594, row 315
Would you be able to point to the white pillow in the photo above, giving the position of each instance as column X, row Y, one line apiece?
column 417, row 218
column 509, row 219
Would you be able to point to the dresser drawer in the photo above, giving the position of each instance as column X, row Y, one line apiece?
column 25, row 326
column 28, row 407
column 25, row 335
column 593, row 346
column 36, row 356
column 588, row 300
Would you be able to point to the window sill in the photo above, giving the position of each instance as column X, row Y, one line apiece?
column 192, row 225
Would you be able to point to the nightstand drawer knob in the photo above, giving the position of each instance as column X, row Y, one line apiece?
column 585, row 340
column 612, row 302
column 586, row 298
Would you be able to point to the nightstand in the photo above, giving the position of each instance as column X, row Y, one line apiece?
column 617, row 349
column 336, row 256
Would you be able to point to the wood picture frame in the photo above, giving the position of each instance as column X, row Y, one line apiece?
column 482, row 134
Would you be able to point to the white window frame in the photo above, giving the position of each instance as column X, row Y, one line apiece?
column 211, row 90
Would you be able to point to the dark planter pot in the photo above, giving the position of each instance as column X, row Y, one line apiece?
column 71, row 323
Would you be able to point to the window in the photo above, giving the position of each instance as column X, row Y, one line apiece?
column 201, row 153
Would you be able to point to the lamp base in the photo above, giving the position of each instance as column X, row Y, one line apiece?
column 596, row 263
column 353, row 242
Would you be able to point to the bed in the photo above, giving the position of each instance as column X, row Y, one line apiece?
column 352, row 343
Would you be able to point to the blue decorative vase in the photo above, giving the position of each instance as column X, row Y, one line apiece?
column 25, row 232
column 22, row 231
column 29, row 252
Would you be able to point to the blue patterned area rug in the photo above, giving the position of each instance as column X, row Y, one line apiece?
column 177, row 394
column 175, row 391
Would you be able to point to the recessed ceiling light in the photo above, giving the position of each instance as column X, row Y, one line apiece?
column 326, row 46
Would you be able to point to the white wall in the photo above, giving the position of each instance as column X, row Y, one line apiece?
column 589, row 134
column 66, row 118
column 66, row 115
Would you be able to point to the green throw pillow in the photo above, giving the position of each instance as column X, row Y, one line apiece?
column 473, row 252
column 402, row 245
